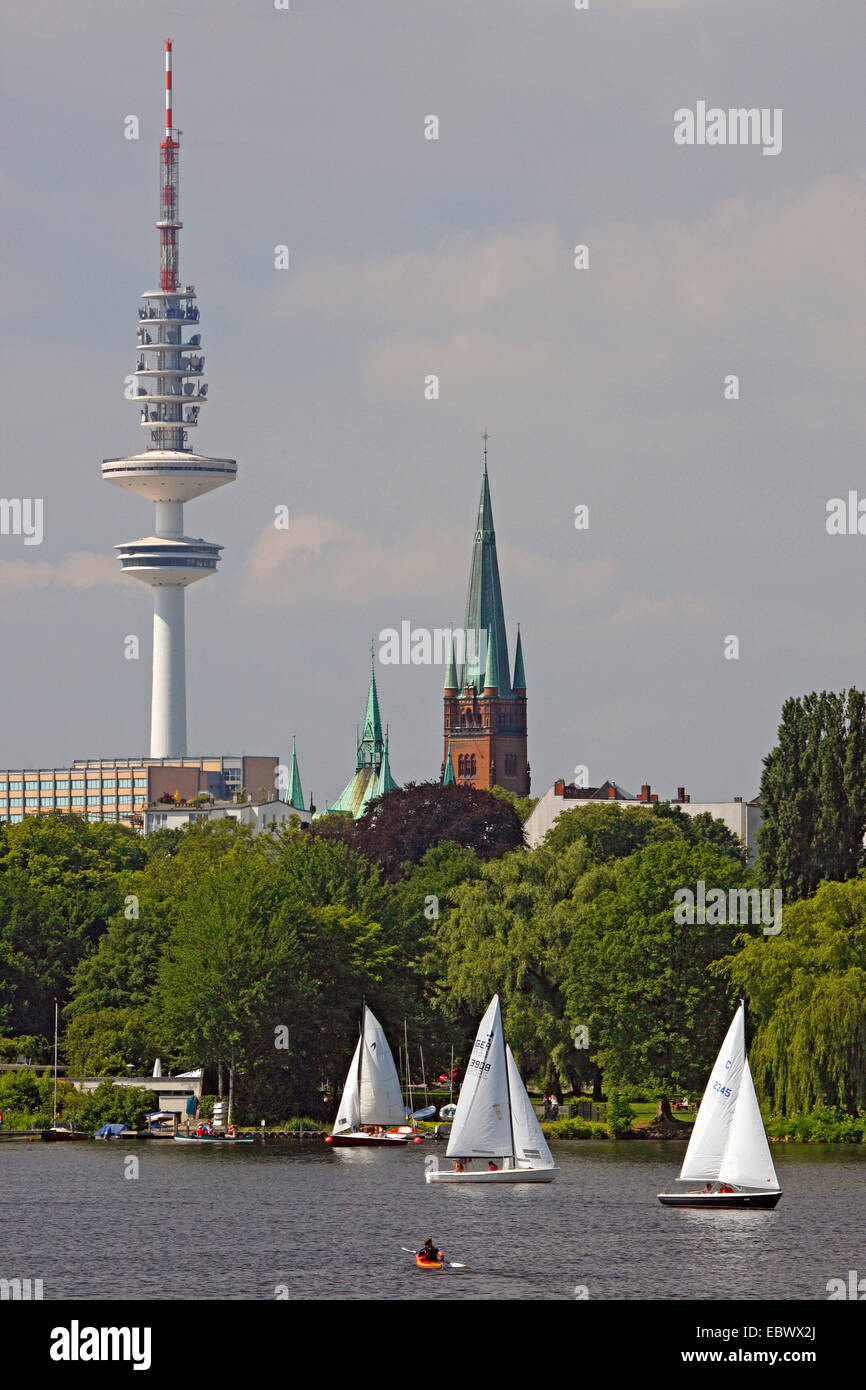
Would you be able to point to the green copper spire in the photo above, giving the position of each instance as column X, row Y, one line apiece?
column 519, row 682
column 294, row 794
column 484, row 612
column 448, row 777
column 491, row 669
column 451, row 669
column 372, row 776
column 371, row 744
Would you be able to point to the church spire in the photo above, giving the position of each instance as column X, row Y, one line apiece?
column 519, row 682
column 371, row 743
column 484, row 611
column 448, row 776
column 294, row 793
column 451, row 669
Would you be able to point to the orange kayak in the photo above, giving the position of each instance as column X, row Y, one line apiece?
column 429, row 1264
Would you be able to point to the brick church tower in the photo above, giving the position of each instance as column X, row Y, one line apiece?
column 485, row 708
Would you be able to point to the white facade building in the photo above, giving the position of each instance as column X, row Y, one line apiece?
column 742, row 818
column 261, row 815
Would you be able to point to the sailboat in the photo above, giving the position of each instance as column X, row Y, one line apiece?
column 371, row 1096
column 728, row 1144
column 59, row 1134
column 495, row 1123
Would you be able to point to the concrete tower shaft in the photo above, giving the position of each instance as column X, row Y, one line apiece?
column 170, row 391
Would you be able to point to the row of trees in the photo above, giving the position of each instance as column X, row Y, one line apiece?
column 251, row 956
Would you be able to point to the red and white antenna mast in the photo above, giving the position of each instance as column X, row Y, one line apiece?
column 168, row 223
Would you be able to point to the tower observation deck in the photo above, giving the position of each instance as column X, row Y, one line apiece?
column 170, row 392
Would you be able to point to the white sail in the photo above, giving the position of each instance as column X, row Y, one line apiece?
column 482, row 1124
column 530, row 1145
column 747, row 1161
column 349, row 1112
column 380, row 1099
column 712, row 1126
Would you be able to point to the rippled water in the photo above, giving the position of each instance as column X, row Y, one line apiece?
column 326, row 1223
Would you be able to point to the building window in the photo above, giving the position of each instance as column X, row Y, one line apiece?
column 63, row 801
column 109, row 796
column 15, row 819
column 124, row 782
column 94, row 800
column 108, row 781
column 510, row 764
column 31, row 801
column 78, row 784
column 97, row 816
column 78, row 800
column 15, row 801
column 140, row 782
column 62, row 786
column 31, row 786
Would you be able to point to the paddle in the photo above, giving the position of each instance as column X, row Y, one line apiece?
column 452, row 1264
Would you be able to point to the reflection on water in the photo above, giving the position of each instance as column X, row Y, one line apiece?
column 329, row 1223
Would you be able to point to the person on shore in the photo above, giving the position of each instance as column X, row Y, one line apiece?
column 492, row 1167
column 429, row 1253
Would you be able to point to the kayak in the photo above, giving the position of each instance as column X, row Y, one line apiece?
column 429, row 1264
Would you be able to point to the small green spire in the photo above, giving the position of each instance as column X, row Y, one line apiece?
column 491, row 670
column 451, row 669
column 449, row 777
column 370, row 745
column 294, row 794
column 519, row 682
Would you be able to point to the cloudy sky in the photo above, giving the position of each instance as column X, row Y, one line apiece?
column 455, row 257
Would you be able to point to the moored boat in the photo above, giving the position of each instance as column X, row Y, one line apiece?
column 728, row 1150
column 494, row 1122
column 224, row 1140
column 371, row 1099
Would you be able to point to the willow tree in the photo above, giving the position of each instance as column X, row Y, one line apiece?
column 807, row 989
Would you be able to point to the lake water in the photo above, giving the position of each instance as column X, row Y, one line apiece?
column 329, row 1223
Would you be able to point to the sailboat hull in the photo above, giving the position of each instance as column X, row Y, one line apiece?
column 751, row 1201
column 366, row 1141
column 501, row 1175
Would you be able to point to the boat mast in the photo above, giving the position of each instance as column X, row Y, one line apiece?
column 361, row 1060
column 424, row 1076
column 408, row 1070
column 508, row 1087
column 54, row 1121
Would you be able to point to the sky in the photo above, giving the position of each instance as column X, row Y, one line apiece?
column 601, row 387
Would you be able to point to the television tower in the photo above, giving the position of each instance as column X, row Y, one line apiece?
column 170, row 392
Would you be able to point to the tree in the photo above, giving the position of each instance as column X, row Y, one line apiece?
column 219, row 979
column 813, row 794
column 399, row 827
column 807, row 989
column 509, row 932
column 59, row 887
column 612, row 831
column 523, row 805
column 642, row 982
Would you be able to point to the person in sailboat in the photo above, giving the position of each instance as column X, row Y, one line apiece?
column 429, row 1253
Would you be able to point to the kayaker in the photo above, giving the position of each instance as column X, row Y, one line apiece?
column 430, row 1255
